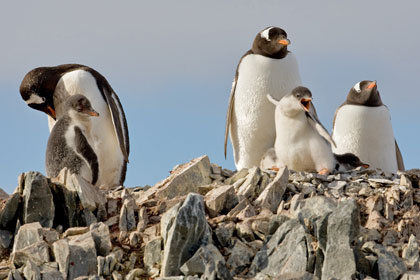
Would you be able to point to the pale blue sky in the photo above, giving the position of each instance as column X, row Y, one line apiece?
column 172, row 65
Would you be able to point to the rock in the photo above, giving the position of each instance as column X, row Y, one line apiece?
column 37, row 253
column 14, row 275
column 31, row 271
column 134, row 274
column 5, row 240
column 240, row 257
column 152, row 254
column 75, row 231
column 185, row 179
column 411, row 252
column 27, row 235
column 238, row 175
column 343, row 230
column 248, row 188
column 167, row 221
column 208, row 263
column 272, row 195
column 101, row 237
column 220, row 200
column 9, row 213
column 187, row 233
column 244, row 231
column 82, row 260
column 411, row 275
column 127, row 219
column 390, row 267
column 143, row 220
column 248, row 211
column 90, row 196
column 285, row 252
column 38, row 204
column 224, row 233
column 61, row 252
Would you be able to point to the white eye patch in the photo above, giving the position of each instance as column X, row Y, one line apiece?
column 357, row 87
column 265, row 34
column 35, row 99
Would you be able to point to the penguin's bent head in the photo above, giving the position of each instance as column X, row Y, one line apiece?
column 79, row 107
column 271, row 42
column 365, row 93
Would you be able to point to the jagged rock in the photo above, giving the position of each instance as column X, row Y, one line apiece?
column 237, row 176
column 8, row 215
column 187, row 233
column 61, row 253
column 240, row 257
column 153, row 254
column 248, row 188
column 90, row 196
column 68, row 212
column 38, row 204
column 134, row 239
column 143, row 220
column 244, row 231
column 272, row 195
column 31, row 271
column 27, row 235
column 5, row 240
column 127, row 219
column 239, row 207
column 167, row 220
column 411, row 275
column 411, row 252
column 220, row 200
column 82, row 260
column 390, row 267
column 37, row 252
column 248, row 211
column 285, row 252
column 224, row 233
column 135, row 273
column 343, row 230
column 14, row 275
column 208, row 263
column 292, row 276
column 102, row 239
column 75, row 231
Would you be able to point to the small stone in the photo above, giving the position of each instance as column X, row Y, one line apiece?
column 143, row 219
column 411, row 251
column 224, row 233
column 102, row 238
column 244, row 231
column 8, row 215
column 248, row 188
column 75, row 231
column 238, row 175
column 127, row 219
column 249, row 211
column 134, row 239
column 272, row 195
column 220, row 200
column 61, row 252
column 135, row 273
column 90, row 196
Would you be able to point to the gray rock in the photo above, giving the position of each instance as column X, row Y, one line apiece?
column 167, row 220
column 38, row 204
column 411, row 275
column 61, row 253
column 143, row 219
column 285, row 252
column 238, row 175
column 14, row 275
column 127, row 219
column 134, row 239
column 343, row 230
column 68, row 209
column 3, row 194
column 275, row 222
column 28, row 234
column 240, row 257
column 90, row 196
column 187, row 233
column 411, row 252
column 248, row 188
column 224, row 233
column 31, row 271
column 83, row 260
column 116, row 276
column 186, row 178
column 153, row 254
column 9, row 213
column 272, row 195
column 390, row 267
column 244, row 231
column 102, row 239
column 37, row 253
column 208, row 263
column 220, row 200
column 5, row 240
column 134, row 274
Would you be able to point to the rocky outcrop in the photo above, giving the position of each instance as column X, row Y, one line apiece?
column 206, row 222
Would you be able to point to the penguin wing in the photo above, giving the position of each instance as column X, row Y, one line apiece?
column 232, row 100
column 86, row 151
column 317, row 125
column 400, row 161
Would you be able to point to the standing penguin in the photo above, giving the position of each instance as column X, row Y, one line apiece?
column 68, row 144
column 302, row 143
column 268, row 68
column 47, row 89
column 362, row 125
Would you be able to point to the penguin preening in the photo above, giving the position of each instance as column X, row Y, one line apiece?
column 47, row 89
column 362, row 125
column 302, row 142
column 68, row 144
column 267, row 68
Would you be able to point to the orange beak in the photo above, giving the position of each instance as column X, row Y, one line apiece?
column 284, row 42
column 50, row 111
column 365, row 165
column 371, row 85
column 93, row 113
column 306, row 103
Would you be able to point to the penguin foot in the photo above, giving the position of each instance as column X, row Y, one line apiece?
column 274, row 168
column 324, row 171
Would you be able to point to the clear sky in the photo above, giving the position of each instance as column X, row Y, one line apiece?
column 172, row 65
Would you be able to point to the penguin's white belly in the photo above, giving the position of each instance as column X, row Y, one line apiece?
column 300, row 147
column 102, row 134
column 252, row 127
column 366, row 132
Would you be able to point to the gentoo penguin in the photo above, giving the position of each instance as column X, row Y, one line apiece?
column 362, row 125
column 302, row 143
column 47, row 88
column 267, row 68
column 68, row 144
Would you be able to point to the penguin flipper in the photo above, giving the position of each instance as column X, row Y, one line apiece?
column 86, row 151
column 400, row 161
column 118, row 119
column 317, row 125
column 229, row 112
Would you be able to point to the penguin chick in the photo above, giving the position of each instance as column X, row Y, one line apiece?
column 68, row 144
column 302, row 143
column 362, row 125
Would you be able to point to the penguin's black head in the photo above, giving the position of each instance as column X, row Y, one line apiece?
column 80, row 105
column 271, row 42
column 365, row 93
column 38, row 86
column 304, row 96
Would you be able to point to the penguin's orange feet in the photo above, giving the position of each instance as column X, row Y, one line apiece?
column 274, row 168
column 324, row 171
